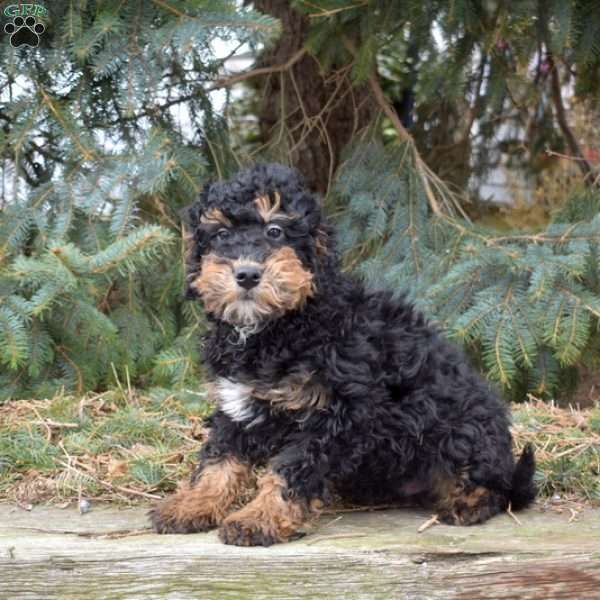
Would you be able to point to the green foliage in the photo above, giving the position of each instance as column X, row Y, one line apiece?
column 148, row 473
column 526, row 305
column 594, row 421
column 103, row 142
column 130, row 426
column 98, row 444
column 23, row 449
column 466, row 75
column 108, row 130
column 563, row 474
column 384, row 227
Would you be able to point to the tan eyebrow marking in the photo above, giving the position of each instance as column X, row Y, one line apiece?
column 268, row 208
column 214, row 216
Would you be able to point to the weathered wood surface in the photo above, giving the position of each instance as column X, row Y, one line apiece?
column 50, row 553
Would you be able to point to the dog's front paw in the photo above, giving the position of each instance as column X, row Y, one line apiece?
column 174, row 516
column 247, row 532
column 270, row 518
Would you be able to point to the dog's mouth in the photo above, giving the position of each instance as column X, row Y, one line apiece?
column 245, row 293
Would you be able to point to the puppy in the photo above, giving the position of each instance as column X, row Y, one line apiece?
column 339, row 391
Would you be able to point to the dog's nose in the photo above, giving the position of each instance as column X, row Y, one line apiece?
column 247, row 276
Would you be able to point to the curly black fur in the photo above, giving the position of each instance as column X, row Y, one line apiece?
column 405, row 417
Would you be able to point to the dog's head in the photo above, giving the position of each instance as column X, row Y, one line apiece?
column 258, row 245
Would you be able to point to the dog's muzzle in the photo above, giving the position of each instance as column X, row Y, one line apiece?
column 245, row 293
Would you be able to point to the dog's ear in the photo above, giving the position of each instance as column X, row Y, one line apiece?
column 326, row 254
column 190, row 215
column 191, row 257
column 323, row 232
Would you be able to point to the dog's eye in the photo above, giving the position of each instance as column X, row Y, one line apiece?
column 223, row 233
column 274, row 231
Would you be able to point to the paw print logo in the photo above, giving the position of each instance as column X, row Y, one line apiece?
column 24, row 32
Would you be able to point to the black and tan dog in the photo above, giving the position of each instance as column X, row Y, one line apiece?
column 336, row 389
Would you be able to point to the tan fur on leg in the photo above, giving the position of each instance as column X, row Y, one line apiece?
column 459, row 503
column 268, row 519
column 203, row 504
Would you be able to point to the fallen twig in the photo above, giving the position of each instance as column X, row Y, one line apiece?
column 512, row 514
column 331, row 522
column 574, row 514
column 57, row 424
column 43, row 422
column 121, row 533
column 113, row 535
column 429, row 523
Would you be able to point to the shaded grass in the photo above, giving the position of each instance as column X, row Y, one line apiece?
column 126, row 447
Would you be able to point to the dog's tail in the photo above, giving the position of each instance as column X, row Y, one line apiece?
column 523, row 489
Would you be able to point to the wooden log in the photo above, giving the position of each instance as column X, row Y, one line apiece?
column 50, row 553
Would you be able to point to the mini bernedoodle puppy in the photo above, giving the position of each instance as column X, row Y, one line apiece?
column 339, row 391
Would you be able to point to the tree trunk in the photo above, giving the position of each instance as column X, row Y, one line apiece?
column 321, row 110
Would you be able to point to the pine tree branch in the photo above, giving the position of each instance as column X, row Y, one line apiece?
column 386, row 107
column 213, row 22
column 46, row 153
column 151, row 111
column 561, row 117
column 233, row 79
column 62, row 351
column 224, row 82
column 87, row 154
column 557, row 100
column 534, row 238
column 475, row 108
column 429, row 179
column 334, row 11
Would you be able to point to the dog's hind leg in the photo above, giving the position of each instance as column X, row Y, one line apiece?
column 460, row 502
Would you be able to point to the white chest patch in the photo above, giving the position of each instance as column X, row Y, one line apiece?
column 234, row 399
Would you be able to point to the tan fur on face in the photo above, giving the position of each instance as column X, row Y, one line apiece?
column 204, row 503
column 268, row 517
column 214, row 216
column 216, row 284
column 285, row 285
column 269, row 208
